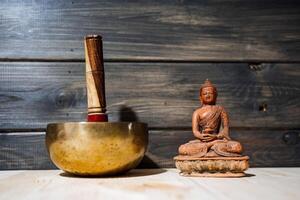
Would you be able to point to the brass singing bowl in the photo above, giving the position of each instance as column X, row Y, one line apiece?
column 96, row 148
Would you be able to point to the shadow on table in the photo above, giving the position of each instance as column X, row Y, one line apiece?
column 249, row 175
column 130, row 174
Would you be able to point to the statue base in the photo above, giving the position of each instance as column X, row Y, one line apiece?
column 220, row 167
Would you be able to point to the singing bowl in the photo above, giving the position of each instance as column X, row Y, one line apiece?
column 96, row 148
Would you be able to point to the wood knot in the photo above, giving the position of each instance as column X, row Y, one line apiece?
column 291, row 138
column 255, row 67
column 263, row 107
column 64, row 99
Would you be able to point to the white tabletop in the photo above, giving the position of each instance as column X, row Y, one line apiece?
column 262, row 183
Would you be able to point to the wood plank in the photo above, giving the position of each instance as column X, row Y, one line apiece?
column 147, row 184
column 266, row 148
column 226, row 30
column 33, row 94
column 24, row 151
column 160, row 94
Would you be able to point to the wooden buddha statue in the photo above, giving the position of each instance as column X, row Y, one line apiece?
column 210, row 125
column 211, row 128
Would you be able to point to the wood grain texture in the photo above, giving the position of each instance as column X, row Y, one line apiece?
column 216, row 30
column 95, row 79
column 266, row 148
column 148, row 184
column 161, row 94
column 24, row 151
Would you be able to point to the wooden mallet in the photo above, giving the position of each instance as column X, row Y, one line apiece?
column 95, row 79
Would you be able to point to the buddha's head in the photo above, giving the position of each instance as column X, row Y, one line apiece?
column 208, row 93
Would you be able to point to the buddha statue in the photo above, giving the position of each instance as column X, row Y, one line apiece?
column 213, row 153
column 210, row 126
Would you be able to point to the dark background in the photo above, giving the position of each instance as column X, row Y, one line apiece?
column 157, row 55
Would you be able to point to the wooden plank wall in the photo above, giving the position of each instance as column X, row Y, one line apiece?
column 157, row 54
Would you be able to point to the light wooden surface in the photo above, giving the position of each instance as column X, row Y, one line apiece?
column 262, row 183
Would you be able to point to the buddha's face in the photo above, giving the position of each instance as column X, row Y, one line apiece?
column 208, row 96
